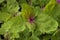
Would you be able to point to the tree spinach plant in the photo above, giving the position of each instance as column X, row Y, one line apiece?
column 29, row 19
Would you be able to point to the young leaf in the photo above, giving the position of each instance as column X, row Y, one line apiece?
column 46, row 24
column 27, row 11
column 56, row 13
column 13, row 26
column 49, row 7
column 12, row 6
column 4, row 16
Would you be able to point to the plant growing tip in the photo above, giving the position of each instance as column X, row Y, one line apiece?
column 31, row 19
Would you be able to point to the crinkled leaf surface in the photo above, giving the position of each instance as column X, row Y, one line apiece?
column 12, row 6
column 27, row 11
column 4, row 16
column 48, row 8
column 54, row 10
column 56, row 13
column 45, row 23
column 12, row 26
column 37, row 17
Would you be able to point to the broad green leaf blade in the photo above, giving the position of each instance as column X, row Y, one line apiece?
column 55, row 13
column 27, row 11
column 12, row 6
column 17, row 27
column 14, row 22
column 37, row 10
column 53, row 10
column 13, row 26
column 49, row 7
column 46, row 24
column 4, row 16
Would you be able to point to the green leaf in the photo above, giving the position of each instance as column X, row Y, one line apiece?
column 12, row 6
column 56, row 13
column 13, row 26
column 14, row 22
column 4, row 16
column 46, row 24
column 37, row 10
column 49, row 7
column 27, row 11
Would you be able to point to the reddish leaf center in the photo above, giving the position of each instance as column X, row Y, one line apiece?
column 31, row 19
